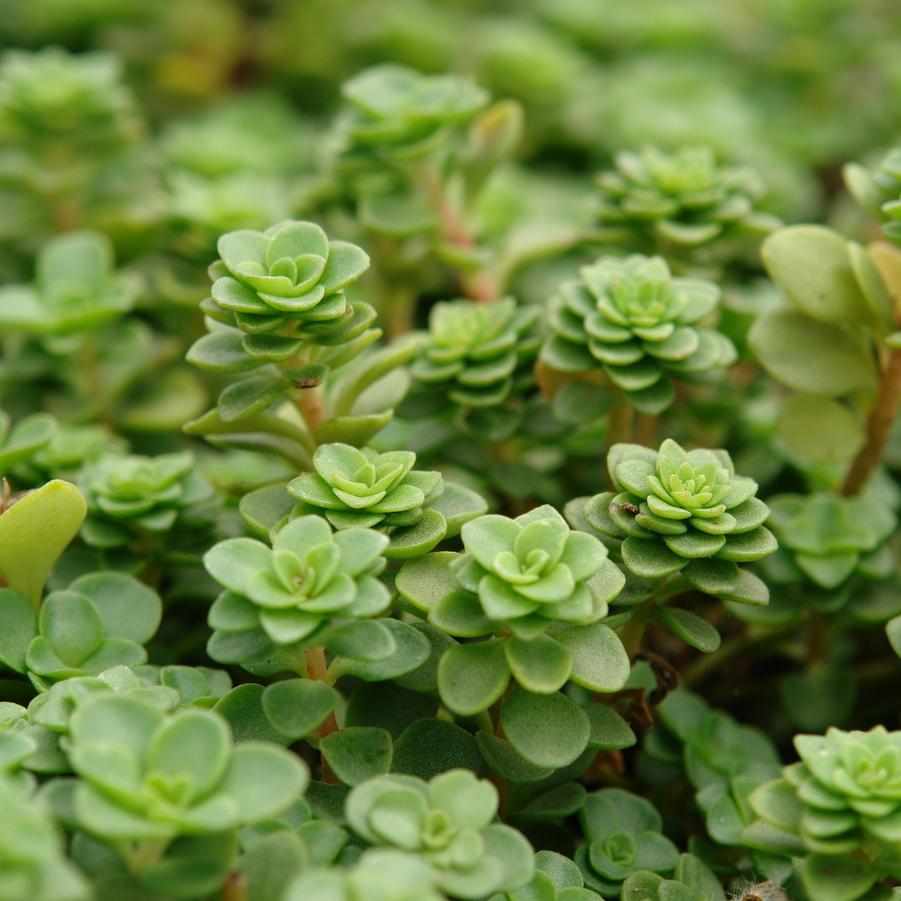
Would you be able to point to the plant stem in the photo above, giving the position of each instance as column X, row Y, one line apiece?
column 879, row 427
column 619, row 426
column 480, row 285
column 317, row 669
column 646, row 429
column 309, row 402
column 145, row 854
column 235, row 888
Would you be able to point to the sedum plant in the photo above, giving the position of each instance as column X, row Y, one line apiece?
column 448, row 823
column 632, row 319
column 390, row 512
column 837, row 810
column 684, row 204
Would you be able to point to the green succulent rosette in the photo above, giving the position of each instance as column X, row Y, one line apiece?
column 405, row 113
column 129, row 494
column 841, row 806
column 534, row 570
column 76, row 289
column 272, row 281
column 32, row 860
column 476, row 356
column 684, row 511
column 692, row 880
column 365, row 489
column 826, row 539
column 682, row 203
column 292, row 592
column 879, row 190
column 381, row 874
column 623, row 835
column 22, row 442
column 449, row 823
column 150, row 775
column 51, row 95
column 637, row 322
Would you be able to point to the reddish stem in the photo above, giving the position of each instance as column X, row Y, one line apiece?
column 317, row 669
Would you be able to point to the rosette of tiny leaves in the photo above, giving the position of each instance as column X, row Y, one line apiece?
column 364, row 488
column 842, row 803
column 684, row 204
column 51, row 95
column 448, row 822
column 100, row 621
column 23, row 441
column 476, row 356
column 147, row 777
column 537, row 591
column 381, row 874
column 692, row 880
column 131, row 495
column 533, row 570
column 290, row 593
column 684, row 511
column 623, row 836
column 879, row 190
column 68, row 449
column 76, row 289
column 32, row 861
column 724, row 761
column 828, row 538
column 268, row 284
column 635, row 320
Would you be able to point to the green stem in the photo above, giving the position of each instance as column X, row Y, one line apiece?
column 619, row 426
column 143, row 855
column 879, row 427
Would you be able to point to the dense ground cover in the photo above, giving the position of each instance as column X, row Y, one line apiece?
column 448, row 451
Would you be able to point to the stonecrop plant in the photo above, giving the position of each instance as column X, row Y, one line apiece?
column 450, row 452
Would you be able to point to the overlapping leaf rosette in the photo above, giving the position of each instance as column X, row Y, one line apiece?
column 839, row 808
column 684, row 204
column 381, row 874
column 879, row 190
column 312, row 587
column 526, row 599
column 395, row 118
column 633, row 319
column 31, row 850
column 449, row 823
column 76, row 289
column 834, row 555
column 623, row 835
column 363, row 488
column 691, row 880
column 685, row 512
column 163, row 788
column 130, row 495
column 477, row 359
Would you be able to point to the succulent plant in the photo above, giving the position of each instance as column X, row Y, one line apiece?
column 677, row 509
column 174, row 774
column 381, row 874
column 100, row 621
column 841, row 804
column 129, row 494
column 400, row 110
column 76, row 289
column 533, row 570
column 477, row 355
column 680, row 202
column 23, row 441
column 623, row 836
column 307, row 579
column 51, row 95
column 828, row 537
column 269, row 282
column 365, row 488
column 638, row 323
column 692, row 880
column 448, row 822
column 879, row 190
column 32, row 862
